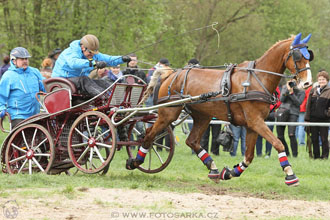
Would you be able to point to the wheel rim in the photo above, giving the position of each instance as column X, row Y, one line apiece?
column 30, row 149
column 155, row 160
column 92, row 142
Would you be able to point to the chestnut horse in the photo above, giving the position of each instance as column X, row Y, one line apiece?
column 291, row 53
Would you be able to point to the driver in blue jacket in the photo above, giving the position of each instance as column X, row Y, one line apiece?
column 19, row 86
column 77, row 61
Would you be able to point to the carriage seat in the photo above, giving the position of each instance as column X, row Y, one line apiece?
column 57, row 100
column 56, row 83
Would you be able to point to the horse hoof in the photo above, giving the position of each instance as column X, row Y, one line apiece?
column 214, row 175
column 130, row 164
column 292, row 180
column 225, row 174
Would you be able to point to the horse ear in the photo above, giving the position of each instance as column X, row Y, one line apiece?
column 296, row 39
column 306, row 39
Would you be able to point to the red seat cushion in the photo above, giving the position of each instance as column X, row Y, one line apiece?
column 57, row 100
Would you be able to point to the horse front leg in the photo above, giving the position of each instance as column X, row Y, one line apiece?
column 263, row 130
column 251, row 139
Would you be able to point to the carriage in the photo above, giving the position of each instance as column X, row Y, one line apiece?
column 75, row 130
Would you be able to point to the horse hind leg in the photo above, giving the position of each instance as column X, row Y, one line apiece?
column 165, row 117
column 227, row 173
column 193, row 141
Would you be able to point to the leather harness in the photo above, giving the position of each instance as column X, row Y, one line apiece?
column 225, row 91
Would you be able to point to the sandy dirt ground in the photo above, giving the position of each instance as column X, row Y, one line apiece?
column 101, row 203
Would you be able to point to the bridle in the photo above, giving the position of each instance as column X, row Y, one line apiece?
column 297, row 56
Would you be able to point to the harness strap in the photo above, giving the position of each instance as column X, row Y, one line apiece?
column 258, row 80
column 174, row 78
column 184, row 81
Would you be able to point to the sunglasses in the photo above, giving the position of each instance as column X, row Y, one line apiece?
column 89, row 51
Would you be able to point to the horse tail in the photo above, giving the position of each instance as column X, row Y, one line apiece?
column 152, row 84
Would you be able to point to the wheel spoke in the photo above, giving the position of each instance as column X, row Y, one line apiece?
column 157, row 154
column 96, row 126
column 17, row 159
column 88, row 129
column 161, row 135
column 149, row 160
column 91, row 155
column 20, row 169
column 79, row 145
column 30, row 167
column 103, row 145
column 83, row 154
column 36, row 162
column 34, row 135
column 79, row 132
column 98, row 154
column 42, row 155
column 23, row 134
column 43, row 141
column 18, row 148
column 101, row 135
column 161, row 145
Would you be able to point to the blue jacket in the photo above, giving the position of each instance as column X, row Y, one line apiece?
column 18, row 91
column 73, row 63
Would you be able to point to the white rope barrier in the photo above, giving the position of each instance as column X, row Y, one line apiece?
column 270, row 123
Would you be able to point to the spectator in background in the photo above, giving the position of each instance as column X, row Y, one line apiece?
column 19, row 87
column 291, row 98
column 114, row 74
column 98, row 73
column 239, row 132
column 5, row 65
column 318, row 110
column 54, row 55
column 133, row 69
column 271, row 117
column 300, row 130
column 46, row 68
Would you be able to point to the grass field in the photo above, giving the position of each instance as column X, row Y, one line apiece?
column 264, row 178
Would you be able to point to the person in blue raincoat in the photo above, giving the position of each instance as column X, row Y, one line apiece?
column 77, row 61
column 19, row 86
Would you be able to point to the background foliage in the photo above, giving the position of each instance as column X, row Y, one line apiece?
column 247, row 27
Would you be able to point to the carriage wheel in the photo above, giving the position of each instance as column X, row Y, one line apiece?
column 92, row 142
column 29, row 150
column 159, row 155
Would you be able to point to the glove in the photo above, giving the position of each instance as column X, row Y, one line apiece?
column 126, row 59
column 3, row 113
column 100, row 64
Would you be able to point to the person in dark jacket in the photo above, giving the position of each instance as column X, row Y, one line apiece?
column 318, row 110
column 5, row 66
column 291, row 99
column 133, row 69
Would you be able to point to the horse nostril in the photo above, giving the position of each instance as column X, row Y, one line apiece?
column 307, row 84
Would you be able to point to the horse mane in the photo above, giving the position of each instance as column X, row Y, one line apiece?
column 163, row 73
column 277, row 44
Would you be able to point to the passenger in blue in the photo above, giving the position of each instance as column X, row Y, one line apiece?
column 77, row 61
column 19, row 85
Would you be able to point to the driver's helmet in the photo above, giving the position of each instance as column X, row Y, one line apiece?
column 19, row 52
column 91, row 43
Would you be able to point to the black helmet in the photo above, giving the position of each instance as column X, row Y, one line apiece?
column 19, row 52
column 54, row 52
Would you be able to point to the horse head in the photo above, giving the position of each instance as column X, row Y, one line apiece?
column 297, row 61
